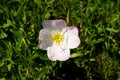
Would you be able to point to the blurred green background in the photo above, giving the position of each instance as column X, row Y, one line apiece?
column 97, row 57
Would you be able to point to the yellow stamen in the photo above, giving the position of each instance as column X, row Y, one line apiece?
column 57, row 37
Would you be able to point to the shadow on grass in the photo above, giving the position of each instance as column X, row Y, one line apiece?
column 69, row 71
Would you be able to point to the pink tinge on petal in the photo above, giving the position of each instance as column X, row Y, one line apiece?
column 54, row 24
column 44, row 39
column 47, row 23
column 41, row 45
column 72, row 38
column 42, row 33
column 60, row 23
column 56, row 53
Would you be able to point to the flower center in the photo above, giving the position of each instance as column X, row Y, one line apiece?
column 57, row 37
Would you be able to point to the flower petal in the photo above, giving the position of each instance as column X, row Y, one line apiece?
column 57, row 53
column 54, row 24
column 45, row 40
column 72, row 30
column 71, row 37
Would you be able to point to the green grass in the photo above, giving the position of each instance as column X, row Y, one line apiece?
column 96, row 58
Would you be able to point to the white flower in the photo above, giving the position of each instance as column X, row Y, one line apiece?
column 58, row 39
